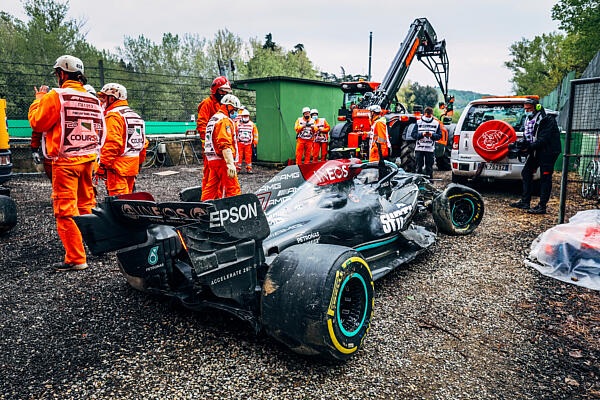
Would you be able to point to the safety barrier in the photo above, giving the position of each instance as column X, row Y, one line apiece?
column 580, row 180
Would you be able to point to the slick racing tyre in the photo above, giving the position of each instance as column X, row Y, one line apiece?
column 8, row 214
column 458, row 210
column 317, row 299
column 407, row 156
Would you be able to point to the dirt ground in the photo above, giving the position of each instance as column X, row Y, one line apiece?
column 467, row 319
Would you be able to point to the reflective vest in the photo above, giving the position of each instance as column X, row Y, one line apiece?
column 209, row 146
column 376, row 139
column 82, row 125
column 135, row 129
column 307, row 130
column 426, row 143
column 320, row 137
column 245, row 132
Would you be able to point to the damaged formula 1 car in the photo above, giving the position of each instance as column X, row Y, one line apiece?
column 297, row 259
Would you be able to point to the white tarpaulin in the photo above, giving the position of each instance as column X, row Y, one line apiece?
column 570, row 252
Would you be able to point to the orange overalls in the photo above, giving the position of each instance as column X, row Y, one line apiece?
column 304, row 141
column 247, row 137
column 122, row 152
column 379, row 134
column 73, row 124
column 321, row 140
column 220, row 135
column 206, row 109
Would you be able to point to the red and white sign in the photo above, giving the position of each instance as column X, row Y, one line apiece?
column 328, row 172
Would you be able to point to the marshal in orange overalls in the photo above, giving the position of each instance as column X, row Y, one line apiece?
column 379, row 134
column 247, row 137
column 206, row 109
column 124, row 147
column 220, row 135
column 74, row 127
column 321, row 140
column 304, row 141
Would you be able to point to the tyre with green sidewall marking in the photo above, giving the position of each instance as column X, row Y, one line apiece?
column 458, row 210
column 317, row 299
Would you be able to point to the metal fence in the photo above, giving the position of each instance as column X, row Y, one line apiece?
column 580, row 181
column 155, row 96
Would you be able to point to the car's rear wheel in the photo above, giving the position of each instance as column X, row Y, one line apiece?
column 8, row 214
column 458, row 210
column 318, row 300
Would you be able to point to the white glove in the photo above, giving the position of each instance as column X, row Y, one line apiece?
column 228, row 156
column 35, row 155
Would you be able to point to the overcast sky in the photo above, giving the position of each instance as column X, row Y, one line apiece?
column 336, row 33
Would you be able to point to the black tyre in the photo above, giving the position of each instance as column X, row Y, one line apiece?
column 8, row 214
column 339, row 138
column 462, row 180
column 407, row 156
column 317, row 299
column 443, row 162
column 458, row 210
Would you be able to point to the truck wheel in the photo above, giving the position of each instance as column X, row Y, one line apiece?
column 317, row 299
column 8, row 214
column 458, row 210
column 443, row 162
column 407, row 156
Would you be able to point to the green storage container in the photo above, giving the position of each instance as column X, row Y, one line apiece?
column 575, row 149
column 279, row 102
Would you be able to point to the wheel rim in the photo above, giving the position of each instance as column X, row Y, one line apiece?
column 463, row 211
column 352, row 305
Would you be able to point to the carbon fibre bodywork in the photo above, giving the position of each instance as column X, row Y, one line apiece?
column 344, row 202
column 218, row 253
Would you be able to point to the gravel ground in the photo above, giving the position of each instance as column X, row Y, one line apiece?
column 465, row 320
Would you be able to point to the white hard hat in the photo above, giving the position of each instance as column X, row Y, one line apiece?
column 90, row 89
column 314, row 111
column 231, row 100
column 114, row 89
column 305, row 109
column 375, row 108
column 69, row 64
column 245, row 112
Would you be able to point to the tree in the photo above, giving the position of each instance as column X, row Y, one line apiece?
column 225, row 46
column 269, row 43
column 425, row 96
column 581, row 20
column 298, row 48
column 538, row 65
column 267, row 61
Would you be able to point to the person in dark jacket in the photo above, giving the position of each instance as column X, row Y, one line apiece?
column 543, row 135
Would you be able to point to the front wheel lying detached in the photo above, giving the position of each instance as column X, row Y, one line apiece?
column 317, row 299
column 458, row 210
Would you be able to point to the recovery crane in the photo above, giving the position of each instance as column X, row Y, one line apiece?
column 421, row 42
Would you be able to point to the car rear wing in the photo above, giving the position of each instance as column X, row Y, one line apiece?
column 122, row 221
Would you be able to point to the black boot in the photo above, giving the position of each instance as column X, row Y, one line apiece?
column 523, row 205
column 539, row 209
